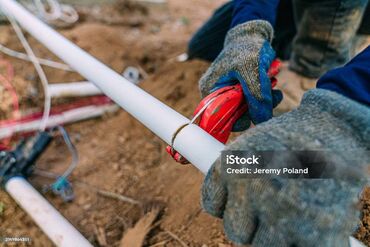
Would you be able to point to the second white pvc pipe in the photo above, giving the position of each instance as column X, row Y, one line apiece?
column 66, row 117
column 73, row 89
column 52, row 223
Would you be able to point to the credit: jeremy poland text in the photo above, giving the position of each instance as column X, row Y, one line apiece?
column 289, row 164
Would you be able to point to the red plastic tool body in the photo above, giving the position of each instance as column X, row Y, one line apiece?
column 218, row 118
column 227, row 106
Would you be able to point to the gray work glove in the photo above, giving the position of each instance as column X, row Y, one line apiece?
column 246, row 59
column 297, row 212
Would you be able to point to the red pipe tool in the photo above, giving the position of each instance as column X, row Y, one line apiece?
column 218, row 112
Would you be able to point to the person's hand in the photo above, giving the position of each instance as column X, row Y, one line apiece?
column 280, row 212
column 246, row 59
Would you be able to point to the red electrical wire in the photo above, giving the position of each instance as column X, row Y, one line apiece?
column 90, row 101
column 7, row 80
column 94, row 100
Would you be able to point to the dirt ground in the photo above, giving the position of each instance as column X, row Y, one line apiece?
column 118, row 155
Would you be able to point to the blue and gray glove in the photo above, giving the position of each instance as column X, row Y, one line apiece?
column 279, row 212
column 246, row 59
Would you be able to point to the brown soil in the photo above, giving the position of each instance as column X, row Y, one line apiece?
column 117, row 153
column 363, row 232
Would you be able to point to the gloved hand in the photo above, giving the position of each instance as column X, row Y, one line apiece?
column 279, row 212
column 245, row 59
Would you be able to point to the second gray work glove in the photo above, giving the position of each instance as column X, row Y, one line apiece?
column 246, row 59
column 278, row 212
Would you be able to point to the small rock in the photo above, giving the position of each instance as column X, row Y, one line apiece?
column 86, row 206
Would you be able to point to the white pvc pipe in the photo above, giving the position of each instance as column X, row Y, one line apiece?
column 193, row 143
column 73, row 89
column 70, row 116
column 59, row 230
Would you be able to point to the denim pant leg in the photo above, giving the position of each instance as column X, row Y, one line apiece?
column 208, row 41
column 365, row 25
column 326, row 31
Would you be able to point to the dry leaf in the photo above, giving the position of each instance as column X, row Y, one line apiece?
column 135, row 237
column 100, row 234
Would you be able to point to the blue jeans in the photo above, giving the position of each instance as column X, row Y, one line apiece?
column 315, row 35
